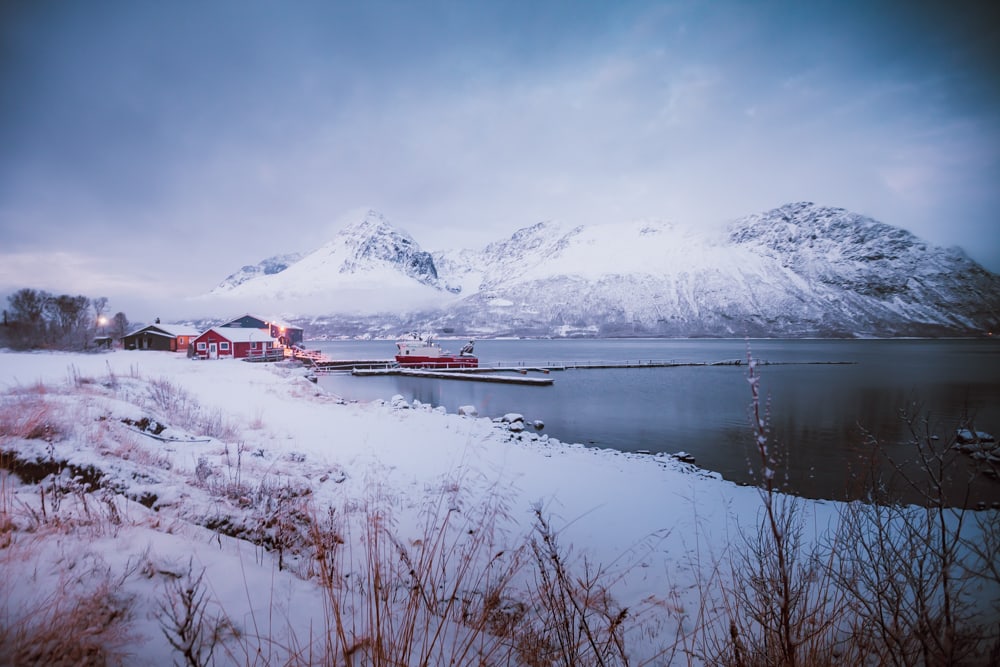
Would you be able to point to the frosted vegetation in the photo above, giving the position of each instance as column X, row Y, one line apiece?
column 37, row 319
column 156, row 510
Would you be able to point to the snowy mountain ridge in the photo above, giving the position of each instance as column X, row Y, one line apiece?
column 797, row 270
column 368, row 261
column 265, row 267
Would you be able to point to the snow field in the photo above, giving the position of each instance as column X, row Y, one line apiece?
column 252, row 466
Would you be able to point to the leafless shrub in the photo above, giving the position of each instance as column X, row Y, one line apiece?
column 440, row 598
column 129, row 448
column 203, row 470
column 892, row 584
column 781, row 606
column 112, row 379
column 186, row 622
column 167, row 396
column 575, row 620
column 257, row 423
column 215, row 425
column 915, row 573
column 184, row 410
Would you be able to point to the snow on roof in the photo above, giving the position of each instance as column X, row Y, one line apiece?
column 238, row 335
column 171, row 330
column 283, row 324
column 179, row 329
column 266, row 320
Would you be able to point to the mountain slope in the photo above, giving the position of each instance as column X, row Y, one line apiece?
column 265, row 267
column 874, row 267
column 369, row 263
column 798, row 270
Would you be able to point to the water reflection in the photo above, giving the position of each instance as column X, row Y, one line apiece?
column 826, row 417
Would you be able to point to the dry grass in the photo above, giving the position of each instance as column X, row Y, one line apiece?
column 464, row 591
column 7, row 524
column 890, row 584
column 575, row 621
column 79, row 620
column 31, row 415
column 186, row 412
column 434, row 599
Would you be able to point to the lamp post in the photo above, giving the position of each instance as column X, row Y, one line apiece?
column 101, row 321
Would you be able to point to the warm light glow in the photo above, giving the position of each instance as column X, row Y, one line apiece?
column 102, row 320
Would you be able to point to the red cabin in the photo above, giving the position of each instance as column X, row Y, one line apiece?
column 232, row 343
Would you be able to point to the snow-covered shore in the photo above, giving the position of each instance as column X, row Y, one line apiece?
column 263, row 431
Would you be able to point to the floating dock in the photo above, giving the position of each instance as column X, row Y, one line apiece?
column 335, row 366
column 503, row 371
column 453, row 375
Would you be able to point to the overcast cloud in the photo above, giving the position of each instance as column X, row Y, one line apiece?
column 149, row 149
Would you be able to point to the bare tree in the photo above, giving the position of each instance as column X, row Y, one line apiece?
column 70, row 319
column 27, row 316
column 119, row 325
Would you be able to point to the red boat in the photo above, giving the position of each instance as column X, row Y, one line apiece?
column 417, row 351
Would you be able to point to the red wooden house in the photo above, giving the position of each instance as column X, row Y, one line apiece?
column 286, row 334
column 232, row 343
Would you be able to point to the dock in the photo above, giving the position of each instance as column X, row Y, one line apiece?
column 454, row 375
column 505, row 372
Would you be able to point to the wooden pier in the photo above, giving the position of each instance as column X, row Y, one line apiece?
column 502, row 371
column 454, row 375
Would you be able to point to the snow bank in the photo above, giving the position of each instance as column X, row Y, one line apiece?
column 262, row 433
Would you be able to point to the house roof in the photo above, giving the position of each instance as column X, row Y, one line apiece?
column 167, row 330
column 266, row 320
column 237, row 335
column 179, row 329
column 284, row 325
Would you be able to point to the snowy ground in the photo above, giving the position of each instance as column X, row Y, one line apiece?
column 246, row 442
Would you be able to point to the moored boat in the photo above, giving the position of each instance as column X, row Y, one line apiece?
column 414, row 350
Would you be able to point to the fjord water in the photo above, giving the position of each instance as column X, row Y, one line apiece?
column 827, row 401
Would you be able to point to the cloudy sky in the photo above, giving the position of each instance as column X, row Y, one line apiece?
column 152, row 148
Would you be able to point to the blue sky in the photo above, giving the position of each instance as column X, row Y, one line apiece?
column 154, row 148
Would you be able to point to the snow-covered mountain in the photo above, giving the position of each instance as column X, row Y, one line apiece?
column 369, row 265
column 798, row 270
column 265, row 267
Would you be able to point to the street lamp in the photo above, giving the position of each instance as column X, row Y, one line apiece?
column 101, row 321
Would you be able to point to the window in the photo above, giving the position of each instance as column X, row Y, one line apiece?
column 224, row 345
column 201, row 346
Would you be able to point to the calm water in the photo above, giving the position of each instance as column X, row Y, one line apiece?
column 821, row 413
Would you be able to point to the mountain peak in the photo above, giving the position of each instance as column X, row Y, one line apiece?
column 368, row 222
column 374, row 240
